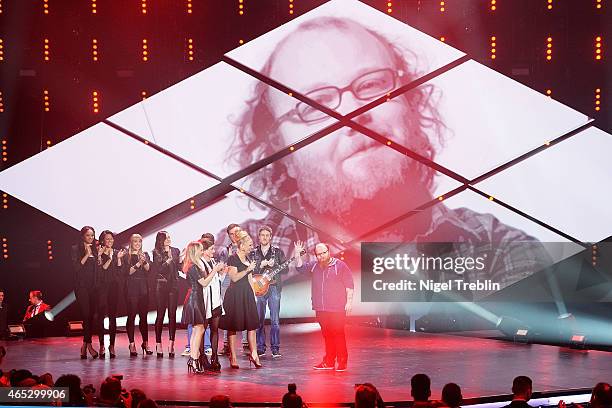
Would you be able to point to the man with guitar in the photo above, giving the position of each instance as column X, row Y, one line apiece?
column 269, row 264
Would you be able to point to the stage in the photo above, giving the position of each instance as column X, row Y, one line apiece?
column 386, row 358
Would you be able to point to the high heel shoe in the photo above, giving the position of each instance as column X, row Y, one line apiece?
column 234, row 366
column 194, row 365
column 159, row 350
column 255, row 363
column 111, row 351
column 133, row 352
column 94, row 353
column 102, row 353
column 84, row 352
column 145, row 349
column 171, row 349
column 214, row 363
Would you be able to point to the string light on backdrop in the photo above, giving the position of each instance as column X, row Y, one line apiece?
column 5, row 201
column 549, row 48
column 189, row 7
column 442, row 6
column 443, row 39
column 94, row 49
column 1, row 104
column 145, row 50
column 47, row 50
column 95, row 99
column 598, row 4
column 94, row 10
column 46, row 101
column 549, row 93
column 192, row 204
column 50, row 249
column 46, row 6
column 597, row 99
column 241, row 7
column 1, row 50
column 389, row 7
column 290, row 6
column 143, row 6
column 5, row 251
column 190, row 51
column 549, row 4
column 48, row 143
column 143, row 95
column 493, row 47
column 0, row 6
column 598, row 48
column 493, row 5
column 4, row 151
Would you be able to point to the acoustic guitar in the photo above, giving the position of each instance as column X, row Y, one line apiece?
column 261, row 281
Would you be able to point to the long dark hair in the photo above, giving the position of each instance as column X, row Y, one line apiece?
column 94, row 249
column 160, row 238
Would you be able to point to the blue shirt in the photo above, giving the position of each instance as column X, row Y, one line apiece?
column 329, row 284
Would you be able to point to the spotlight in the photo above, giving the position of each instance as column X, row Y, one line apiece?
column 17, row 330
column 521, row 336
column 75, row 328
column 578, row 341
column 49, row 316
column 513, row 328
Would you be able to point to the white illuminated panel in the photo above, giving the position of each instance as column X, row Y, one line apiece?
column 565, row 186
column 103, row 178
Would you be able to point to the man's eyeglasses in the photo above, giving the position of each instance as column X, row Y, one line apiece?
column 321, row 253
column 366, row 87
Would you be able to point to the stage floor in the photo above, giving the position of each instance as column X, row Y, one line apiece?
column 386, row 358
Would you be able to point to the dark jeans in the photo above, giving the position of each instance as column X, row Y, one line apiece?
column 332, row 329
column 166, row 298
column 137, row 299
column 107, row 306
column 87, row 301
column 272, row 301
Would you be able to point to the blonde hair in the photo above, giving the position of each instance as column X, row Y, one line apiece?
column 131, row 250
column 243, row 237
column 191, row 258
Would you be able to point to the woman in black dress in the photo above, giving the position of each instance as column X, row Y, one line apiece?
column 194, row 310
column 137, row 265
column 239, row 301
column 109, row 285
column 165, row 268
column 84, row 264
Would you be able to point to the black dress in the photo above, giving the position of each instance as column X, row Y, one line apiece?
column 194, row 311
column 239, row 302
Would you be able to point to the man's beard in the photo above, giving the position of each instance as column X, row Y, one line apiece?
column 335, row 193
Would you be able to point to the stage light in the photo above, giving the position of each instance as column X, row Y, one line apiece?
column 46, row 6
column 493, row 5
column 443, row 39
column 190, row 50
column 5, row 249
column 192, row 204
column 189, row 7
column 442, row 6
column 549, row 4
column 441, row 198
column 4, row 151
column 240, row 42
column 48, row 143
column 549, row 48
column 241, row 7
column 0, row 6
column 493, row 47
column 47, row 101
column 145, row 50
column 389, row 7
column 510, row 326
column 47, row 52
column 290, row 6
column 143, row 94
column 75, row 328
column 598, row 48
column 50, row 249
column 491, row 198
column 94, row 49
column 1, row 50
column 549, row 93
column 291, row 148
column 5, row 201
column 578, row 341
column 598, row 99
column 17, row 330
column 143, row 6
column 598, row 4
column 95, row 99
column 521, row 336
column 93, row 7
column 1, row 104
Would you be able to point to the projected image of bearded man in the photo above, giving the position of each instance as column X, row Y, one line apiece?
column 346, row 183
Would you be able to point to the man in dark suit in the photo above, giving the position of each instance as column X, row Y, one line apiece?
column 3, row 316
column 521, row 392
column 37, row 306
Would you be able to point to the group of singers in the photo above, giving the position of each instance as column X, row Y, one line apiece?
column 221, row 294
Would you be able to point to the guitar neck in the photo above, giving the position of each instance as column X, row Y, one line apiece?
column 279, row 268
